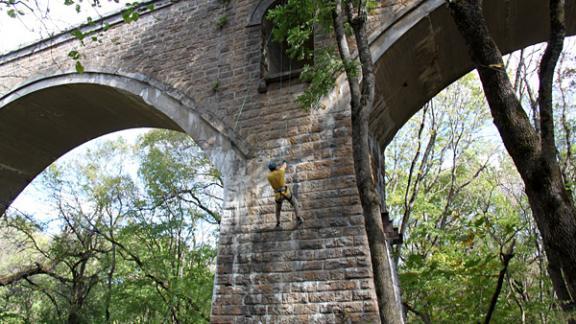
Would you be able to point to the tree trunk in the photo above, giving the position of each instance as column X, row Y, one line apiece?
column 361, row 101
column 535, row 158
column 73, row 317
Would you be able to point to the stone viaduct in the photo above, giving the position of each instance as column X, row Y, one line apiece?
column 178, row 68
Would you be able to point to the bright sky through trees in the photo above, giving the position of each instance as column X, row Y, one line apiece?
column 31, row 200
column 43, row 18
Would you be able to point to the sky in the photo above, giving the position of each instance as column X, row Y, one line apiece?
column 43, row 18
column 31, row 200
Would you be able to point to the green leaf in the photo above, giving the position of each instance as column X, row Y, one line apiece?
column 472, row 262
column 222, row 21
column 130, row 15
column 321, row 77
column 74, row 54
column 79, row 67
column 479, row 222
column 78, row 34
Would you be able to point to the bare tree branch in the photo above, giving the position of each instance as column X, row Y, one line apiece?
column 26, row 272
column 505, row 257
column 423, row 316
column 546, row 75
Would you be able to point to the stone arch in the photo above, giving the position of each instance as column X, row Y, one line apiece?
column 422, row 52
column 257, row 15
column 46, row 117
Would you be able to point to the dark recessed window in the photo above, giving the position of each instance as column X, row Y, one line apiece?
column 276, row 63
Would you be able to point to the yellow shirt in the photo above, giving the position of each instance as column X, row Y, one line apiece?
column 277, row 179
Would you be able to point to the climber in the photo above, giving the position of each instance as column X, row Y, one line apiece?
column 277, row 180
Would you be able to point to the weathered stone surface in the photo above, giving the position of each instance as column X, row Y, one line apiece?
column 161, row 71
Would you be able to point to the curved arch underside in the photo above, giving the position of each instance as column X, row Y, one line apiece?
column 39, row 128
column 423, row 53
column 43, row 120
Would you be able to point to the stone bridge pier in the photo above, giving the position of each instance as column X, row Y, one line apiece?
column 178, row 67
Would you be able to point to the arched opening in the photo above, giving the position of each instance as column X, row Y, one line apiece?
column 422, row 53
column 277, row 63
column 458, row 184
column 416, row 57
column 275, row 56
column 122, row 228
column 118, row 227
column 467, row 220
column 44, row 119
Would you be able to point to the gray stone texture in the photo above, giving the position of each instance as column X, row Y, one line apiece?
column 162, row 71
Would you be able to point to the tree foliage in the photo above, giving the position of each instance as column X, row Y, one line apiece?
column 131, row 238
column 462, row 206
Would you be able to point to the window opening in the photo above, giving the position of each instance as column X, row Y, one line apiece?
column 276, row 64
